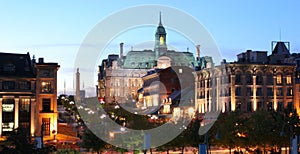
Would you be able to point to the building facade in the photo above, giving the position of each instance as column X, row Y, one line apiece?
column 28, row 94
column 256, row 81
column 120, row 76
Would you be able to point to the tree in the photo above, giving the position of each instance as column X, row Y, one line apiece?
column 227, row 127
column 262, row 129
column 91, row 141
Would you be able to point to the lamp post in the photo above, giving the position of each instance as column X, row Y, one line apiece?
column 54, row 134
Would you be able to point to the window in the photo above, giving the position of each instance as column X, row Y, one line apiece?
column 8, row 115
column 238, row 106
column 9, row 68
column 208, row 83
column 25, row 104
column 269, row 79
column 280, row 106
column 288, row 79
column 8, row 85
column 24, row 85
column 289, row 92
column 46, row 126
column 279, row 92
column 269, row 106
column 290, row 106
column 238, row 78
column 259, row 79
column 249, row 91
column 46, row 105
column 259, row 92
column 249, row 107
column 270, row 91
column 259, row 105
column 238, row 91
column 279, row 79
column 46, row 87
column 249, row 79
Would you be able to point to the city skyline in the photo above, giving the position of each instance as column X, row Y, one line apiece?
column 55, row 30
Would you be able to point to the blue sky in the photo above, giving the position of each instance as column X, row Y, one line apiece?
column 55, row 29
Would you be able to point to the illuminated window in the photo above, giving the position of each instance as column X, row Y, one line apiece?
column 289, row 79
column 289, row 92
column 25, row 104
column 279, row 79
column 166, row 109
column 46, row 126
column 161, row 40
column 46, row 87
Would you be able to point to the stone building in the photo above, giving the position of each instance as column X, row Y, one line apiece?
column 28, row 94
column 120, row 76
column 256, row 81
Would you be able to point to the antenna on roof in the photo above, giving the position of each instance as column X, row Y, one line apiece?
column 131, row 48
column 187, row 49
column 280, row 34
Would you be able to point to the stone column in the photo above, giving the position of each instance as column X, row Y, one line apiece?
column 254, row 93
column 275, row 92
column 1, row 117
column 33, row 120
column 218, row 93
column 16, row 123
column 232, row 92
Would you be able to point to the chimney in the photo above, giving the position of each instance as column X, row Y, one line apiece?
column 198, row 52
column 41, row 60
column 121, row 50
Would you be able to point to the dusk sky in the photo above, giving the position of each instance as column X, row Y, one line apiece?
column 55, row 29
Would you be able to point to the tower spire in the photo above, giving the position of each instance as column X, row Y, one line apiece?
column 160, row 18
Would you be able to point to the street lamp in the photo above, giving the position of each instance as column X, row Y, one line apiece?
column 54, row 134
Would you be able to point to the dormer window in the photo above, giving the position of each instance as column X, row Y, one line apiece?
column 9, row 68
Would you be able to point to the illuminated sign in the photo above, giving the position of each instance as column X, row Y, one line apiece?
column 7, row 107
column 8, row 126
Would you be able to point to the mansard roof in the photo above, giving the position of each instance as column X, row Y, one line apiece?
column 281, row 49
column 12, row 64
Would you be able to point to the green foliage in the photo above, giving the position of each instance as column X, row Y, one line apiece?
column 258, row 129
column 91, row 141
